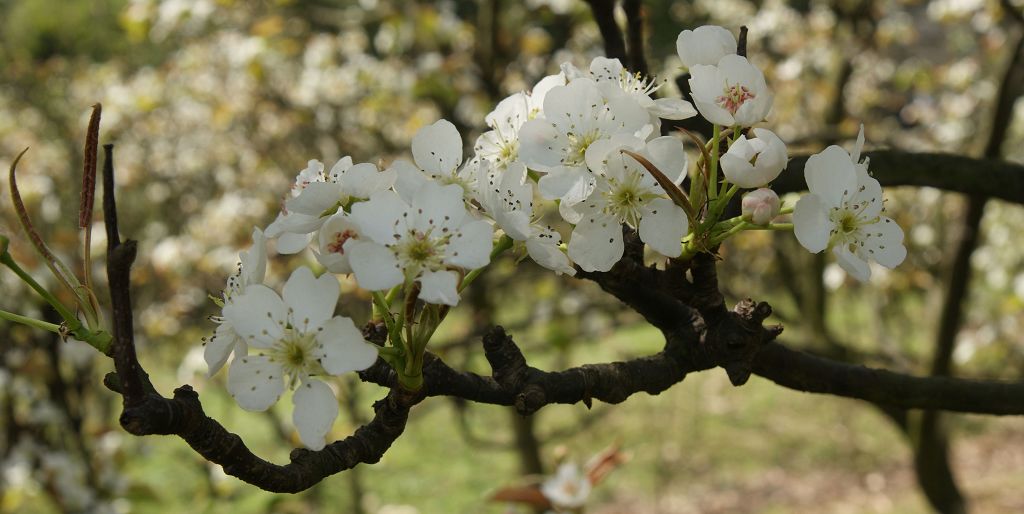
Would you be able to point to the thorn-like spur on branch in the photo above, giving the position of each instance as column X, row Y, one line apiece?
column 990, row 178
column 611, row 382
column 804, row 372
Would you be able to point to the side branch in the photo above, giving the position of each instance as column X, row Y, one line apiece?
column 990, row 178
column 811, row 374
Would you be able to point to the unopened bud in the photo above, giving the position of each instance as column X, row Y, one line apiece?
column 761, row 206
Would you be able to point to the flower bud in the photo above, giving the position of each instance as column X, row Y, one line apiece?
column 704, row 45
column 761, row 206
column 755, row 162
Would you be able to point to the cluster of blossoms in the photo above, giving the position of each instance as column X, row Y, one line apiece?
column 589, row 141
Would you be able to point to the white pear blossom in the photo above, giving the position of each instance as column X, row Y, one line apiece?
column 437, row 153
column 705, row 45
column 733, row 92
column 760, row 206
column 843, row 212
column 507, row 196
column 251, row 270
column 614, row 80
column 331, row 239
column 575, row 116
column 754, row 162
column 321, row 195
column 568, row 489
column 296, row 338
column 627, row 193
column 500, row 145
column 425, row 239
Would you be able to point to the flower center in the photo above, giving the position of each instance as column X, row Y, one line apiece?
column 636, row 83
column 625, row 199
column 578, row 144
column 733, row 97
column 295, row 353
column 418, row 251
column 338, row 244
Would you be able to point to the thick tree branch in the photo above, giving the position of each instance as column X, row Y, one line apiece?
column 991, row 178
column 604, row 15
column 808, row 373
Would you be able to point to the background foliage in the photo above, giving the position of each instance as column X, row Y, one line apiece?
column 214, row 105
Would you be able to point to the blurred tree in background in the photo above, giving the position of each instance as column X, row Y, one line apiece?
column 214, row 105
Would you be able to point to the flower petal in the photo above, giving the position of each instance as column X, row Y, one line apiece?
column 363, row 180
column 315, row 199
column 672, row 109
column 571, row 184
column 290, row 243
column 218, row 348
column 380, row 218
column 663, row 227
column 596, row 243
column 541, row 145
column 437, row 206
column 858, row 268
column 811, row 224
column 255, row 382
column 342, row 347
column 470, row 245
column 375, row 266
column 885, row 243
column 312, row 300
column 830, row 175
column 258, row 316
column 437, row 148
column 543, row 248
column 439, row 287
column 316, row 408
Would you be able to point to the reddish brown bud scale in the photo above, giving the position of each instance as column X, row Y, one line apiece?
column 91, row 150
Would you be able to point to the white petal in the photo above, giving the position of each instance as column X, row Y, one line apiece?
column 541, row 145
column 543, row 248
column 706, row 86
column 437, row 148
column 375, row 266
column 343, row 348
column 672, row 109
column 254, row 260
column 290, row 243
column 885, row 243
column 596, row 243
column 669, row 156
column 663, row 227
column 316, row 408
column 470, row 245
column 437, row 206
column 859, row 145
column 315, row 199
column 408, row 179
column 854, row 265
column 811, row 224
column 439, row 287
column 258, row 315
column 380, row 218
column 571, row 184
column 255, row 382
column 337, row 230
column 312, row 300
column 830, row 175
column 704, row 45
column 218, row 348
column 363, row 180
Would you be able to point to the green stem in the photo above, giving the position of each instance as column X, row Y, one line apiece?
column 68, row 316
column 32, row 322
column 713, row 171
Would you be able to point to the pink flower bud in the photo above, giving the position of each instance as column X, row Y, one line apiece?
column 761, row 206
